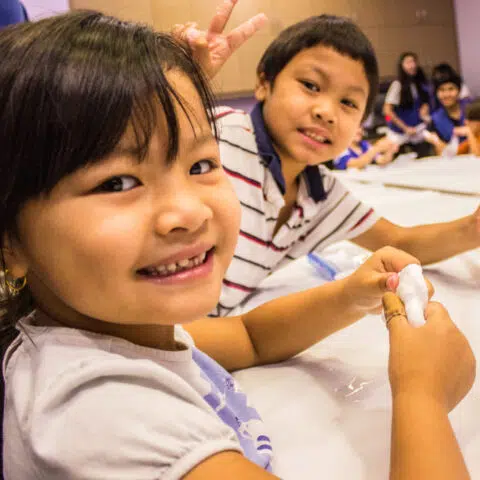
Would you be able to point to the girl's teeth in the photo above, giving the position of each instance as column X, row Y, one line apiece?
column 172, row 267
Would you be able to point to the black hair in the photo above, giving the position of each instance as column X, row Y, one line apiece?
column 445, row 73
column 473, row 111
column 441, row 70
column 69, row 87
column 441, row 79
column 406, row 81
column 339, row 33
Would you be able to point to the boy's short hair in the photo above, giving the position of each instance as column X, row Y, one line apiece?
column 473, row 111
column 339, row 33
column 451, row 77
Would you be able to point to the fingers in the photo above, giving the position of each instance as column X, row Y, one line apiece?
column 436, row 312
column 396, row 260
column 430, row 288
column 394, row 311
column 220, row 19
column 243, row 32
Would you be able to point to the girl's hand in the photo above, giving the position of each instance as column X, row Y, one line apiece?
column 433, row 362
column 379, row 274
column 212, row 48
column 411, row 131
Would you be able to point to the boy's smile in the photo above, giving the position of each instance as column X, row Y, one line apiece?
column 315, row 105
column 448, row 94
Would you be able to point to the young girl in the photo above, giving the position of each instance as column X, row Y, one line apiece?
column 407, row 104
column 117, row 226
column 362, row 153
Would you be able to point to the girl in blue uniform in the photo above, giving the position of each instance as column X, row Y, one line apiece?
column 407, row 105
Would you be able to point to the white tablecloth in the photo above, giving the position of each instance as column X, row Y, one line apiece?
column 328, row 410
column 458, row 175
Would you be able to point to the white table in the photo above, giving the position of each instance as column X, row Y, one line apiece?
column 328, row 410
column 458, row 175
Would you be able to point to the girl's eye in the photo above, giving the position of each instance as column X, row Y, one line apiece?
column 310, row 86
column 122, row 183
column 349, row 103
column 202, row 167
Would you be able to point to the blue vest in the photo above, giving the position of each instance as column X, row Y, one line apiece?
column 443, row 124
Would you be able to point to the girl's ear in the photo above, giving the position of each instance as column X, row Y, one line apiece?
column 15, row 259
column 262, row 88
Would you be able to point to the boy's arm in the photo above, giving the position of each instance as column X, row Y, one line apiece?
column 284, row 327
column 429, row 243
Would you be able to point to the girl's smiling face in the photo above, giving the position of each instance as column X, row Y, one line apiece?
column 409, row 65
column 134, row 242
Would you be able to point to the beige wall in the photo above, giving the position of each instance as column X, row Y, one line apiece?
column 424, row 26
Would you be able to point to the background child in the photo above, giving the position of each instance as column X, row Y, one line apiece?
column 449, row 116
column 362, row 153
column 315, row 84
column 471, row 130
column 444, row 69
column 407, row 104
column 469, row 134
column 116, row 231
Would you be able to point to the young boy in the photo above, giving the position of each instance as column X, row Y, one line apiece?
column 316, row 82
column 361, row 152
column 449, row 118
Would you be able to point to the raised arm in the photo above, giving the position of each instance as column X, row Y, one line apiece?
column 212, row 47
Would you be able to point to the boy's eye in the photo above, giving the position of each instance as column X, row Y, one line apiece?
column 310, row 85
column 120, row 183
column 202, row 167
column 349, row 103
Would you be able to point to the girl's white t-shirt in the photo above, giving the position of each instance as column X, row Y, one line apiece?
column 80, row 405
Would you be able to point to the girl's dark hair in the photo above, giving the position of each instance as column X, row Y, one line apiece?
column 339, row 33
column 419, row 80
column 69, row 87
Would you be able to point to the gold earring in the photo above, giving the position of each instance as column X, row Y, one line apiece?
column 17, row 285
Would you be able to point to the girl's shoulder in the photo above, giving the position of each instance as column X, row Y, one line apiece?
column 109, row 400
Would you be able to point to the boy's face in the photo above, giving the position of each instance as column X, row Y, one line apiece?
column 447, row 94
column 315, row 106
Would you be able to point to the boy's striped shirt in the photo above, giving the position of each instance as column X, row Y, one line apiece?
column 325, row 211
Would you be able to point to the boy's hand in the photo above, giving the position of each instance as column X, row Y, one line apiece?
column 378, row 275
column 212, row 48
column 461, row 131
column 433, row 362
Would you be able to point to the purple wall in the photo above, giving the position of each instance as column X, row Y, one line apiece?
column 45, row 8
column 468, row 33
